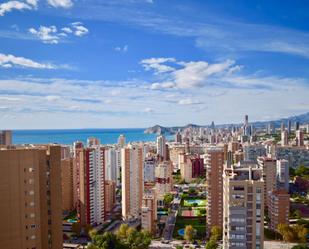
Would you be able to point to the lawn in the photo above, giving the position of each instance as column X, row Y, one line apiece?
column 198, row 223
column 193, row 202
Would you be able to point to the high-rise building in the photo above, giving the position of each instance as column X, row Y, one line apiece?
column 67, row 184
column 149, row 211
column 30, row 198
column 132, row 180
column 284, row 138
column 163, row 174
column 178, row 138
column 214, row 159
column 289, row 126
column 109, row 196
column 253, row 151
column 296, row 125
column 6, row 137
column 110, row 158
column 299, row 138
column 88, row 183
column 122, row 141
column 161, row 147
column 282, row 127
column 91, row 189
column 243, row 207
column 149, row 169
column 269, row 169
column 283, row 175
column 197, row 166
column 279, row 208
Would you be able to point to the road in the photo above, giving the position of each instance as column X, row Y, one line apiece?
column 171, row 219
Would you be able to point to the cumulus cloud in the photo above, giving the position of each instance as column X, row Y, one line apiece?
column 187, row 74
column 46, row 34
column 79, row 29
column 17, row 5
column 60, row 3
column 11, row 60
column 52, row 35
column 157, row 64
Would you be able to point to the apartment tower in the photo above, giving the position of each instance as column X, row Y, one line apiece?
column 214, row 160
column 30, row 198
column 243, row 207
column 132, row 180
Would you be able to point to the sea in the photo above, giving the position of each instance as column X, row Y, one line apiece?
column 69, row 136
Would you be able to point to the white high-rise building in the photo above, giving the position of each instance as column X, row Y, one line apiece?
column 149, row 169
column 284, row 138
column 161, row 146
column 131, row 180
column 163, row 173
column 283, row 176
column 111, row 164
column 96, row 184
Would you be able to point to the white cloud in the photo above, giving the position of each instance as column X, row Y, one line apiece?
column 189, row 74
column 67, row 30
column 46, row 34
column 11, row 60
column 157, row 65
column 79, row 29
column 52, row 97
column 61, row 3
column 17, row 5
column 52, row 36
column 123, row 49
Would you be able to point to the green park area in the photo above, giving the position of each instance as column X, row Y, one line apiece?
column 199, row 224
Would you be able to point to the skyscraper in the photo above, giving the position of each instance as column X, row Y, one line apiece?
column 132, row 180
column 178, row 138
column 30, row 198
column 67, row 184
column 283, row 175
column 163, row 174
column 299, row 138
column 149, row 211
column 243, row 207
column 161, row 147
column 268, row 167
column 284, row 138
column 91, row 187
column 214, row 159
column 279, row 208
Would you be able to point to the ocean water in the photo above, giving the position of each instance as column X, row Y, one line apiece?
column 106, row 136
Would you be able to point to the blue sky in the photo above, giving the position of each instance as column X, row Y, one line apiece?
column 137, row 63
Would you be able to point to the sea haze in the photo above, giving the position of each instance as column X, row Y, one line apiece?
column 66, row 136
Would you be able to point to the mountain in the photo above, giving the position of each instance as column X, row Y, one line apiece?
column 157, row 129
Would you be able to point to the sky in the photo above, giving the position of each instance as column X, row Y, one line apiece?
column 138, row 63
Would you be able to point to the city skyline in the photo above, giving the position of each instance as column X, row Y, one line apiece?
column 70, row 64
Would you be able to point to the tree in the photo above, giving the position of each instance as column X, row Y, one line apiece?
column 216, row 233
column 122, row 231
column 301, row 232
column 189, row 233
column 92, row 233
column 286, row 232
column 211, row 244
column 106, row 241
column 300, row 247
column 168, row 198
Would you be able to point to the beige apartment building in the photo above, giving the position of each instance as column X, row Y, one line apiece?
column 30, row 198
column 214, row 159
column 110, row 196
column 243, row 206
column 279, row 208
column 269, row 168
column 132, row 180
column 67, row 184
column 149, row 211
